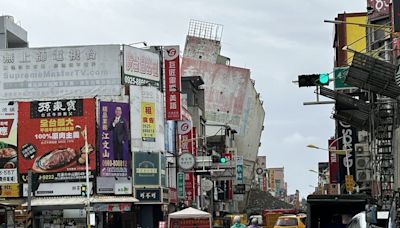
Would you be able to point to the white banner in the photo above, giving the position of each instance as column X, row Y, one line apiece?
column 87, row 71
column 138, row 95
column 59, row 189
column 141, row 67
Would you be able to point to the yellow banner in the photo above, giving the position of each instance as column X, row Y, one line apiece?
column 148, row 116
column 9, row 190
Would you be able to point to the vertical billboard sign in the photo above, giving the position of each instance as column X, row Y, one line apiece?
column 323, row 171
column 147, row 112
column 347, row 137
column 170, row 136
column 75, row 71
column 141, row 67
column 114, row 156
column 181, row 185
column 333, row 162
column 146, row 168
column 172, row 83
column 239, row 169
column 187, row 146
column 147, row 119
column 8, row 143
column 51, row 138
column 396, row 16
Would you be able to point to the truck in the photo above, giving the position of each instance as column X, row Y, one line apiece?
column 271, row 215
column 328, row 210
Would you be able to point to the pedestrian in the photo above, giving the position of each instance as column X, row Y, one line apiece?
column 236, row 222
column 254, row 223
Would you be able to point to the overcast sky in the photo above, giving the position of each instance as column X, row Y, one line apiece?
column 277, row 40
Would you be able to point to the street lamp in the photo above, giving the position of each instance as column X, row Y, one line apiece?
column 322, row 179
column 84, row 133
column 340, row 152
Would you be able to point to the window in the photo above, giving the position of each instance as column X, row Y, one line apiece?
column 286, row 222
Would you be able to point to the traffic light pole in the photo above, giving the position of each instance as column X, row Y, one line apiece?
column 318, row 102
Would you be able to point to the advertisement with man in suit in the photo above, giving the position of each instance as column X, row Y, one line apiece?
column 114, row 136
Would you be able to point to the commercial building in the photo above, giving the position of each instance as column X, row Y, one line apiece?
column 231, row 100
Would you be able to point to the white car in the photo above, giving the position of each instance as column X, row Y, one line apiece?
column 358, row 221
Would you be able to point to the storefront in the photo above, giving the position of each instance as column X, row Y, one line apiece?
column 106, row 211
column 114, row 211
column 53, row 211
column 152, row 206
column 8, row 215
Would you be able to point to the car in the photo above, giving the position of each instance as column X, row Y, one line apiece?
column 358, row 221
column 291, row 221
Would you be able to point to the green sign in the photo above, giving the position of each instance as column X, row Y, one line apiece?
column 146, row 169
column 181, row 185
column 239, row 173
column 340, row 74
column 163, row 172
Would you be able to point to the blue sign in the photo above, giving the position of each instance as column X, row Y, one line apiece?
column 148, row 195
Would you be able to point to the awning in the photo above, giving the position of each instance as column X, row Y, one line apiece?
column 12, row 202
column 78, row 200
column 113, row 199
column 56, row 201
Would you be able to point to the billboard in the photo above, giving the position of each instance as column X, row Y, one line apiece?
column 347, row 137
column 51, row 138
column 140, row 67
column 147, row 109
column 225, row 90
column 54, row 72
column 8, row 143
column 113, row 132
column 380, row 9
column 146, row 169
column 333, row 162
column 148, row 117
column 172, row 83
column 170, row 136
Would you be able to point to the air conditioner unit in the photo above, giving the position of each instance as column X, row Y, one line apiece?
column 362, row 162
column 364, row 175
column 361, row 149
column 363, row 136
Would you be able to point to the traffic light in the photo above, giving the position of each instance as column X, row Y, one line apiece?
column 83, row 190
column 313, row 79
column 222, row 159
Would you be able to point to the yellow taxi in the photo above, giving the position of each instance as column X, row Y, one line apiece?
column 291, row 221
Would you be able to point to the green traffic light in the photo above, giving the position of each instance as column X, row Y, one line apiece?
column 222, row 160
column 324, row 79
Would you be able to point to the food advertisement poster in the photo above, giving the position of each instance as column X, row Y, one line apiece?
column 148, row 121
column 8, row 142
column 113, row 135
column 51, row 139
